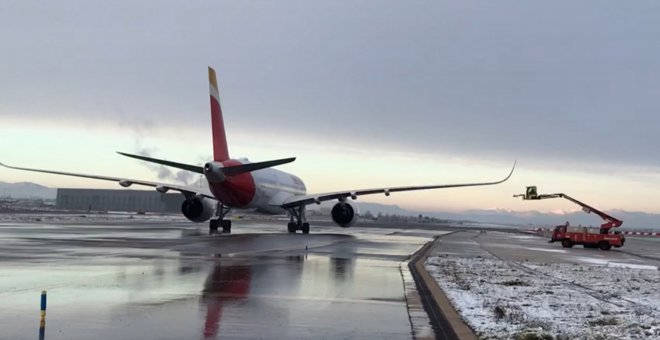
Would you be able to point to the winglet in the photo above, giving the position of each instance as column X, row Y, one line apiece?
column 220, row 149
column 511, row 173
column 213, row 80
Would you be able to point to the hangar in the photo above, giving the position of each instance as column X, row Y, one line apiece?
column 118, row 200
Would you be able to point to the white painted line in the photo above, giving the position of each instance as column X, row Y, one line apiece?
column 547, row 250
column 631, row 265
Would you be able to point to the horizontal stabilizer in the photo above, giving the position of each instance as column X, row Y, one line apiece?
column 243, row 168
column 193, row 168
column 228, row 171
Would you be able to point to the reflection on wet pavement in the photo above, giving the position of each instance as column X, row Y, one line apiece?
column 160, row 283
column 224, row 284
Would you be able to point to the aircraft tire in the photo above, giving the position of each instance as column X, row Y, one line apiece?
column 291, row 227
column 305, row 228
column 226, row 226
column 213, row 226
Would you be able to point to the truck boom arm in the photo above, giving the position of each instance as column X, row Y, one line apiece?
column 612, row 222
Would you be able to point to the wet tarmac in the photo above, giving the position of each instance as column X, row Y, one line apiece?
column 636, row 253
column 168, row 281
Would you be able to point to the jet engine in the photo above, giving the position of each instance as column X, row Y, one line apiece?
column 345, row 214
column 198, row 209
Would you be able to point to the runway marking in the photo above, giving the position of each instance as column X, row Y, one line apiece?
column 283, row 249
column 375, row 300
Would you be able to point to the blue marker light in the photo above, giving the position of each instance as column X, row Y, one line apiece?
column 43, row 303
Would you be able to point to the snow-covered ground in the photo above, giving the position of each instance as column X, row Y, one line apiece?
column 507, row 300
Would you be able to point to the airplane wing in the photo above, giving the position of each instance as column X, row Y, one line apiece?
column 297, row 201
column 187, row 191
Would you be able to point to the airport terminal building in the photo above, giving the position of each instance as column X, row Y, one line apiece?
column 118, row 200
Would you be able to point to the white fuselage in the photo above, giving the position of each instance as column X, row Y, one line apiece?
column 273, row 187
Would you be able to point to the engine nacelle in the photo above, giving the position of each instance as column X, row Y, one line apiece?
column 198, row 209
column 345, row 214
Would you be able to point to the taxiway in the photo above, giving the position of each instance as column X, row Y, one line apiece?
column 164, row 280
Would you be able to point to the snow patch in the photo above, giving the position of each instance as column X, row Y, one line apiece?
column 605, row 262
column 506, row 299
column 602, row 262
column 630, row 265
column 525, row 237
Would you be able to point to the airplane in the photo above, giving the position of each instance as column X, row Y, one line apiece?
column 243, row 185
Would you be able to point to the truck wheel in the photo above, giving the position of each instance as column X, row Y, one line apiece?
column 566, row 243
column 604, row 246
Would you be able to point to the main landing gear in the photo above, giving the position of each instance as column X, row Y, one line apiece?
column 215, row 224
column 298, row 220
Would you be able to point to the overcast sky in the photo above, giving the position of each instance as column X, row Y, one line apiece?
column 365, row 93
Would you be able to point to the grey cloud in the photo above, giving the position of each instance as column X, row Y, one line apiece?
column 551, row 81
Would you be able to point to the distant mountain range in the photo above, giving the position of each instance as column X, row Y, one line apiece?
column 632, row 220
column 26, row 190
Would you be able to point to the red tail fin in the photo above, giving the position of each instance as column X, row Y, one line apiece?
column 220, row 150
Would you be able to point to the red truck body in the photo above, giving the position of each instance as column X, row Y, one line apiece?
column 604, row 239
